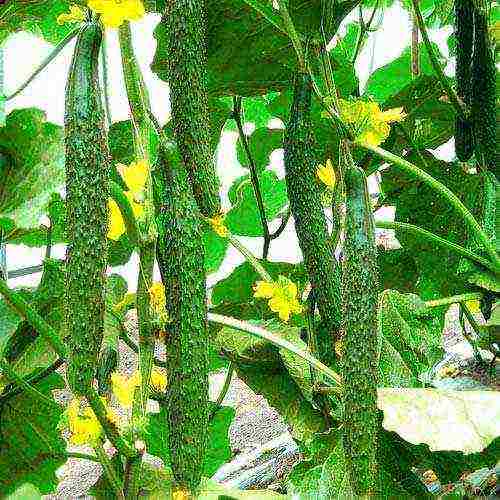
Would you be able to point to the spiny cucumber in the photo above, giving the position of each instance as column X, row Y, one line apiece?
column 185, row 40
column 180, row 255
column 484, row 94
column 307, row 210
column 359, row 328
column 87, row 169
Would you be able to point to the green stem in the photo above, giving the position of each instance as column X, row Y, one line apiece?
column 45, row 63
column 253, row 175
column 445, row 192
column 454, row 299
column 263, row 8
column 108, row 427
column 363, row 29
column 223, row 392
column 109, row 470
column 14, row 377
column 434, row 238
column 135, row 348
column 452, row 96
column 470, row 318
column 123, row 203
column 292, row 33
column 83, row 456
column 33, row 318
column 278, row 341
column 250, row 257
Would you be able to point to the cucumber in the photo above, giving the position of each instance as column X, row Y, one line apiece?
column 185, row 39
column 359, row 328
column 87, row 170
column 484, row 94
column 464, row 34
column 180, row 256
column 310, row 222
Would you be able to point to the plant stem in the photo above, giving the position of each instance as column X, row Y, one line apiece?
column 223, row 392
column 470, row 318
column 415, row 52
column 284, row 221
column 123, row 203
column 83, row 456
column 445, row 192
column 454, row 299
column 45, row 63
column 250, row 257
column 33, row 318
column 363, row 29
column 108, row 427
column 259, row 332
column 434, row 238
column 109, row 470
column 452, row 96
column 253, row 175
column 135, row 348
column 292, row 33
column 14, row 377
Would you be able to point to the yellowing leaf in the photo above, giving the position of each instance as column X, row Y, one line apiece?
column 135, row 176
column 326, row 174
column 116, row 223
column 124, row 387
column 115, row 12
column 466, row 421
column 75, row 15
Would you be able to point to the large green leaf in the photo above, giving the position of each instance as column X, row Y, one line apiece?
column 262, row 143
column 392, row 78
column 37, row 16
column 243, row 218
column 30, row 444
column 416, row 203
column 218, row 448
column 247, row 55
column 31, row 166
column 215, row 250
column 9, row 322
column 410, row 336
column 466, row 421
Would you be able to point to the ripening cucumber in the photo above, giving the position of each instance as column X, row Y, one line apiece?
column 464, row 34
column 359, row 330
column 186, row 66
column 307, row 210
column 87, row 170
column 180, row 256
column 484, row 94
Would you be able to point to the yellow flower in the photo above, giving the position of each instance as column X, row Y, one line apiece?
column 157, row 297
column 369, row 123
column 83, row 424
column 473, row 306
column 75, row 15
column 282, row 296
column 218, row 225
column 326, row 174
column 158, row 379
column 115, row 12
column 124, row 387
column 116, row 223
column 135, row 176
column 181, row 494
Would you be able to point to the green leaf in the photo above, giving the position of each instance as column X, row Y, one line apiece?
column 8, row 325
column 218, row 113
column 32, row 447
column 466, row 421
column 119, row 251
column 25, row 492
column 37, row 16
column 433, row 268
column 215, row 250
column 218, row 448
column 410, row 337
column 243, row 218
column 31, row 166
column 247, row 55
column 392, row 78
column 262, row 143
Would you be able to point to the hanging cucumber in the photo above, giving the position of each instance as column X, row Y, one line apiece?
column 180, row 256
column 307, row 210
column 484, row 93
column 184, row 24
column 359, row 325
column 464, row 34
column 87, row 168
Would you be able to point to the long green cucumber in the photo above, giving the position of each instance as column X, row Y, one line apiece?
column 180, row 256
column 185, row 40
column 359, row 322
column 87, row 170
column 310, row 222
column 484, row 94
column 464, row 34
